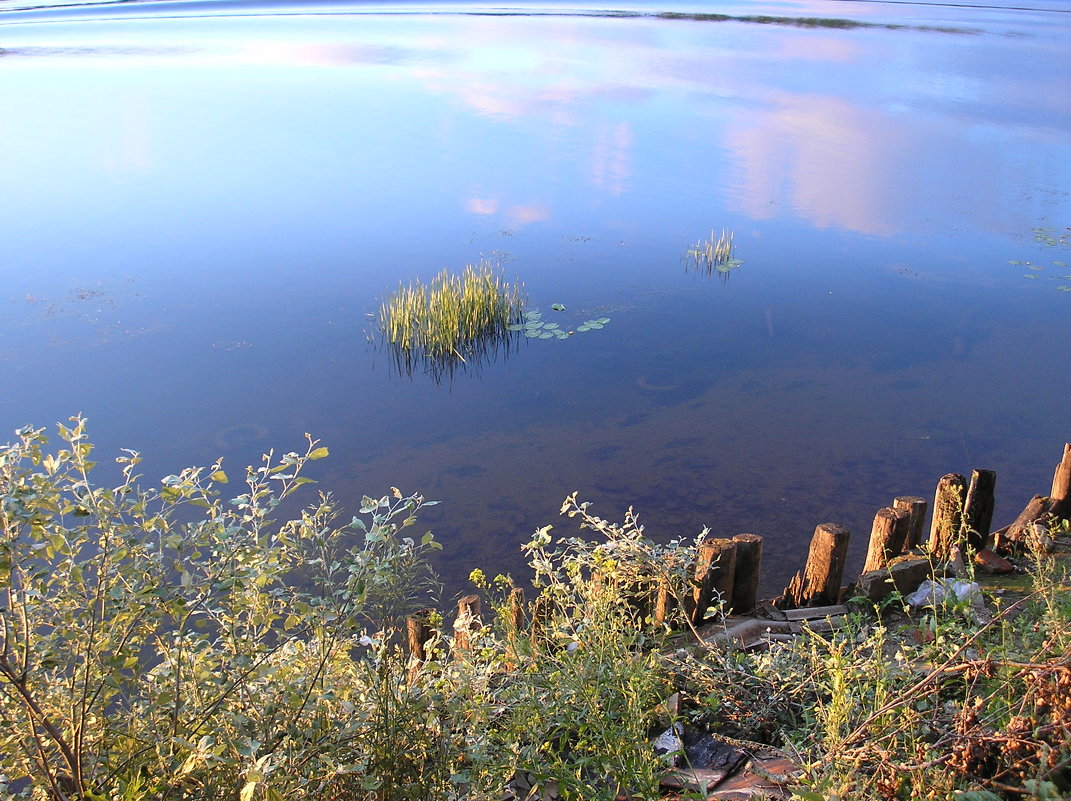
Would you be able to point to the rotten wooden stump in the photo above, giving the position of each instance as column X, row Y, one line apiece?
column 715, row 570
column 887, row 537
column 418, row 631
column 947, row 523
column 916, row 508
column 978, row 509
column 466, row 623
column 819, row 582
column 746, row 573
column 514, row 623
column 1061, row 485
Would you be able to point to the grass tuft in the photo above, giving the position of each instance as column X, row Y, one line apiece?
column 714, row 256
column 457, row 318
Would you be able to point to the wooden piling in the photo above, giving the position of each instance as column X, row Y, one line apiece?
column 948, row 503
column 819, row 582
column 1010, row 537
column 514, row 623
column 887, row 537
column 418, row 631
column 467, row 622
column 1061, row 485
column 916, row 508
column 978, row 510
column 715, row 568
column 746, row 573
column 664, row 603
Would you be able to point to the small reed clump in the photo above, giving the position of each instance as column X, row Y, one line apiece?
column 456, row 317
column 714, row 255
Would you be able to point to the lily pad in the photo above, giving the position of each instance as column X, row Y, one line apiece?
column 546, row 335
column 582, row 328
column 551, row 326
column 559, row 307
column 515, row 327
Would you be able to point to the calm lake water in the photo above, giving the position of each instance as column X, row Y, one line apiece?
column 201, row 205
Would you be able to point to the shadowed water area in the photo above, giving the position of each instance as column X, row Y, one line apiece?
column 202, row 205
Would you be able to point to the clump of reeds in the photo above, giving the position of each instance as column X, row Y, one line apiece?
column 713, row 255
column 455, row 317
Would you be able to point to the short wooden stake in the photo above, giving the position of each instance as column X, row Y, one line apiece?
column 1011, row 536
column 819, row 582
column 664, row 603
column 746, row 573
column 916, row 508
column 715, row 568
column 948, row 503
column 514, row 623
column 978, row 509
column 541, row 615
column 887, row 537
column 467, row 622
column 418, row 631
column 1061, row 485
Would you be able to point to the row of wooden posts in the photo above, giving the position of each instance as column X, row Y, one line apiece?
column 729, row 569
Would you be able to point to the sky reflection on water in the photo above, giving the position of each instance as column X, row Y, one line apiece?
column 199, row 213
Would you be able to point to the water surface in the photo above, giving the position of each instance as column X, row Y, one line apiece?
column 202, row 203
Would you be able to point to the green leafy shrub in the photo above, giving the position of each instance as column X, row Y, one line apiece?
column 171, row 643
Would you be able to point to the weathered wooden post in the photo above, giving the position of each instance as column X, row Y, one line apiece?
column 819, row 583
column 715, row 567
column 664, row 603
column 514, row 623
column 1061, row 485
column 948, row 503
column 542, row 608
column 1057, row 502
column 916, row 508
column 418, row 631
column 978, row 509
column 1010, row 536
column 746, row 573
column 887, row 536
column 466, row 622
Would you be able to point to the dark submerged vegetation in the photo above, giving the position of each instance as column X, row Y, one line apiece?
column 156, row 643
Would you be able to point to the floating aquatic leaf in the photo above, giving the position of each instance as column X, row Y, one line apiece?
column 550, row 326
column 603, row 320
column 546, row 335
column 1034, row 267
column 1016, row 263
column 558, row 307
column 1059, row 263
column 1064, row 288
column 515, row 327
column 1028, row 275
column 582, row 328
column 531, row 332
column 533, row 315
column 561, row 334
